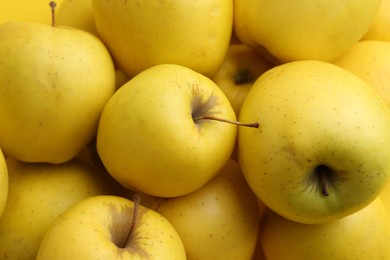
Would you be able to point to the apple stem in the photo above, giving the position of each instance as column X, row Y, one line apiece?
column 137, row 200
column 324, row 188
column 53, row 17
column 254, row 125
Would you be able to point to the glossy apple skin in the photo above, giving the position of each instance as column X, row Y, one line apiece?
column 314, row 116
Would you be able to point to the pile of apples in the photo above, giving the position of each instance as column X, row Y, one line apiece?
column 243, row 129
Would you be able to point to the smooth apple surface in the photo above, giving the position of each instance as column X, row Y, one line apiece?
column 322, row 149
column 379, row 28
column 218, row 221
column 151, row 135
column 362, row 235
column 98, row 227
column 369, row 60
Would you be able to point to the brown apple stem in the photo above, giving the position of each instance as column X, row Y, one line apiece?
column 324, row 188
column 137, row 200
column 53, row 8
column 254, row 125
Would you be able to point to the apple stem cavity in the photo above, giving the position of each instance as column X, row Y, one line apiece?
column 322, row 172
column 137, row 201
column 324, row 188
column 243, row 77
column 53, row 8
column 253, row 125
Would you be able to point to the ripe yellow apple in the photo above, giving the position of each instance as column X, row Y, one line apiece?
column 54, row 82
column 77, row 14
column 3, row 182
column 362, row 235
column 27, row 11
column 194, row 34
column 303, row 29
column 38, row 194
column 100, row 228
column 379, row 29
column 323, row 146
column 218, row 221
column 370, row 60
column 240, row 69
column 153, row 135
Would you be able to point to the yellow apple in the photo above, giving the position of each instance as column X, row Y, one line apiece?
column 38, row 194
column 101, row 227
column 303, row 29
column 77, row 14
column 218, row 221
column 3, row 183
column 362, row 235
column 379, row 29
column 153, row 135
column 239, row 70
column 194, row 34
column 323, row 146
column 54, row 82
column 370, row 60
column 26, row 11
